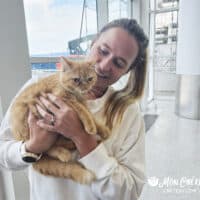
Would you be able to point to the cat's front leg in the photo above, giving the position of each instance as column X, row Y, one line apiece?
column 103, row 131
column 85, row 117
column 59, row 153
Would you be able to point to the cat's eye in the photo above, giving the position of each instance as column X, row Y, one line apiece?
column 76, row 80
column 90, row 79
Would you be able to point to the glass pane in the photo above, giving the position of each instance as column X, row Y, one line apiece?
column 52, row 24
column 57, row 27
column 162, row 4
column 166, row 27
column 117, row 9
column 165, row 41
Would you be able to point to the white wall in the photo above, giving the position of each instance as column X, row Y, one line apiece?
column 165, row 82
column 14, row 57
column 14, row 71
column 188, row 46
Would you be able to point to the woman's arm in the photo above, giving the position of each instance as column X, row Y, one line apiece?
column 10, row 156
column 122, row 174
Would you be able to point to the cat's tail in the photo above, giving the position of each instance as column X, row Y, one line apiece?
column 51, row 167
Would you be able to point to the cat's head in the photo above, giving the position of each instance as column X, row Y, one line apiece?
column 79, row 76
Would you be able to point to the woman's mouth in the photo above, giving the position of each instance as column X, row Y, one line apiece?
column 101, row 75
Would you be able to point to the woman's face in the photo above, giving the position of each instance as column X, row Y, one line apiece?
column 114, row 52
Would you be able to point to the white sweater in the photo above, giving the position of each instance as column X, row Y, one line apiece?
column 119, row 162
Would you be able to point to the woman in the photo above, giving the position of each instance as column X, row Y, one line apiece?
column 118, row 163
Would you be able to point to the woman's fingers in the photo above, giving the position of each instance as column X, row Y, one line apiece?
column 58, row 102
column 47, row 116
column 42, row 124
column 49, row 105
column 31, row 118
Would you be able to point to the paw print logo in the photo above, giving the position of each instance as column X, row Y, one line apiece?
column 153, row 181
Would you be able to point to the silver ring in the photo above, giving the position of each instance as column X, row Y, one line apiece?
column 53, row 120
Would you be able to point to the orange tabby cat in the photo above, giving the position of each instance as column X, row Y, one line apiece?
column 69, row 84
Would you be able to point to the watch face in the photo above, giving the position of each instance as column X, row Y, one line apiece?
column 29, row 159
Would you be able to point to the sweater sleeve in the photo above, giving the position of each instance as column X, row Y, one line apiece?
column 121, row 176
column 10, row 157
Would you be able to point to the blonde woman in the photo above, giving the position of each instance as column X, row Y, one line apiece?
column 119, row 162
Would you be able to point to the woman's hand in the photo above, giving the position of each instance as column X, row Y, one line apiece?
column 64, row 120
column 59, row 117
column 40, row 139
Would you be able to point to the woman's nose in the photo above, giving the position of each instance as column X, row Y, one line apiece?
column 105, row 64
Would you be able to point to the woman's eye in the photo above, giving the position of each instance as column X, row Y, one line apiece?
column 118, row 64
column 103, row 51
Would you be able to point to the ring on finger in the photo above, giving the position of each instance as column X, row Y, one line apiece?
column 53, row 120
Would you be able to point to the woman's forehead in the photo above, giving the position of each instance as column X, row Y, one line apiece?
column 120, row 42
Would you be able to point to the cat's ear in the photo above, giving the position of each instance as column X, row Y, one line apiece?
column 91, row 63
column 65, row 64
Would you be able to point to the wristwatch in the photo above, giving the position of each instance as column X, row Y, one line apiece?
column 28, row 156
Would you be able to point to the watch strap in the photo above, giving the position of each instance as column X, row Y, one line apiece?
column 29, row 156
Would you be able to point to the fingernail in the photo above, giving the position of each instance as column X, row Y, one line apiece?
column 39, row 122
column 49, row 94
column 41, row 98
column 38, row 107
column 43, row 94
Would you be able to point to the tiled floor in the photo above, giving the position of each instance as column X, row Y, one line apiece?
column 172, row 155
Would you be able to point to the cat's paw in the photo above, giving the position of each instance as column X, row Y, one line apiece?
column 84, row 177
column 65, row 157
column 106, row 133
column 91, row 130
column 60, row 153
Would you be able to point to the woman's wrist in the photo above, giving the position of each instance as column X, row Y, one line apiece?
column 85, row 143
column 31, row 148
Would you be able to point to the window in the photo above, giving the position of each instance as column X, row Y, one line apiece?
column 52, row 24
column 117, row 9
column 165, row 20
column 163, row 38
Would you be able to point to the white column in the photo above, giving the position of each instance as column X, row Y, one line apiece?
column 141, row 14
column 15, row 70
column 188, row 62
column 6, row 183
column 102, row 13
column 14, row 57
column 188, row 46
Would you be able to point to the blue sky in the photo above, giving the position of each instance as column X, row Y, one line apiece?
column 52, row 23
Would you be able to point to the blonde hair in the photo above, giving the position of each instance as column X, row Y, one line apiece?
column 117, row 103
